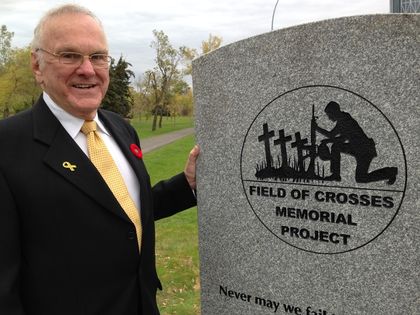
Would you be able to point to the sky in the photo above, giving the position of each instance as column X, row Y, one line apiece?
column 129, row 24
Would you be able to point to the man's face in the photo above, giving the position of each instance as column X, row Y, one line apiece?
column 78, row 89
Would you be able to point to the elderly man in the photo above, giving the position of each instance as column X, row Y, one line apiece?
column 77, row 210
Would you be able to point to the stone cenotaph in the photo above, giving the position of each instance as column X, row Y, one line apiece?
column 309, row 175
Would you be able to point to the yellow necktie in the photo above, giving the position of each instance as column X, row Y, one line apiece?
column 102, row 159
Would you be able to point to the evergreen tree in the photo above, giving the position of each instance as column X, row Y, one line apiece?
column 118, row 98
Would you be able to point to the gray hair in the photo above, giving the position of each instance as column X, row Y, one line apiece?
column 61, row 10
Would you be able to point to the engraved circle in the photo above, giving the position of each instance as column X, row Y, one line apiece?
column 323, row 169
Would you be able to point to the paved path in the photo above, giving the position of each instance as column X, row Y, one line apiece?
column 155, row 142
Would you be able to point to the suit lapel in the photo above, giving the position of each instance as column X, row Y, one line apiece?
column 64, row 153
column 124, row 140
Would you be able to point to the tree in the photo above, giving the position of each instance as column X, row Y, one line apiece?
column 183, row 104
column 5, row 45
column 18, row 88
column 212, row 43
column 188, row 54
column 142, row 96
column 182, row 99
column 160, row 79
column 163, row 90
column 119, row 97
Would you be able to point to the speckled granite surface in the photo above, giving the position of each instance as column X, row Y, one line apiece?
column 305, row 207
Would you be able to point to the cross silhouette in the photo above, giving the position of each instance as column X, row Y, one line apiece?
column 266, row 138
column 282, row 140
column 299, row 144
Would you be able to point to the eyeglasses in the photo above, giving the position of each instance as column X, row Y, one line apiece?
column 76, row 59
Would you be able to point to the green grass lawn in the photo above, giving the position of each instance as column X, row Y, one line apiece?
column 144, row 127
column 176, row 238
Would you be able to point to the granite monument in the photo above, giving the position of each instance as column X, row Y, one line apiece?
column 309, row 176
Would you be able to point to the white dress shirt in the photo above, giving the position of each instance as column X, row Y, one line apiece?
column 73, row 125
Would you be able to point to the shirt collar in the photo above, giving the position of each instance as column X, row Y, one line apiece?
column 71, row 123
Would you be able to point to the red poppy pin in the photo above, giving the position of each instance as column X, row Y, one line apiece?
column 136, row 150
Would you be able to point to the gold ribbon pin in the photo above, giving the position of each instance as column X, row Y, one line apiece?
column 70, row 166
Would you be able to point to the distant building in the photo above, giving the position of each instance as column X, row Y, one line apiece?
column 405, row 6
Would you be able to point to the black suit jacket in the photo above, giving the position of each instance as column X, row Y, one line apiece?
column 66, row 245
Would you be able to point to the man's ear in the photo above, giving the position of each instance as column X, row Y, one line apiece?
column 36, row 68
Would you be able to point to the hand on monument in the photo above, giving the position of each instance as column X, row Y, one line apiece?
column 189, row 170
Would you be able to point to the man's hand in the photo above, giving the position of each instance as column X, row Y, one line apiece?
column 189, row 170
